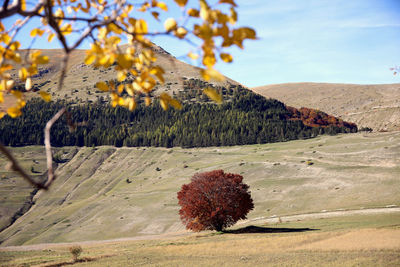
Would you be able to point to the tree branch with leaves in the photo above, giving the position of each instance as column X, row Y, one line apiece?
column 209, row 26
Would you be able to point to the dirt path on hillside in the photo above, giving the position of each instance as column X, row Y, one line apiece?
column 271, row 219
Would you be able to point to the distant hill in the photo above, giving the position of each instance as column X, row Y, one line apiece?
column 375, row 106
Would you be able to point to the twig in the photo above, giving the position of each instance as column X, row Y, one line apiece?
column 16, row 167
column 47, row 145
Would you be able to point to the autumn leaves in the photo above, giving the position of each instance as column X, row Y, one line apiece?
column 106, row 24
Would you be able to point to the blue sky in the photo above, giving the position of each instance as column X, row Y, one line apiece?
column 339, row 41
column 344, row 41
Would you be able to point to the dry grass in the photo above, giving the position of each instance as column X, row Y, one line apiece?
column 91, row 200
column 378, row 246
column 376, row 106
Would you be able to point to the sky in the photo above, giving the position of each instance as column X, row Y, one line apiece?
column 335, row 41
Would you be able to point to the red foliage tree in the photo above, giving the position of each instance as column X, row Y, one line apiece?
column 214, row 200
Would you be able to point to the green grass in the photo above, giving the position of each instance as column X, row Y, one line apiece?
column 92, row 194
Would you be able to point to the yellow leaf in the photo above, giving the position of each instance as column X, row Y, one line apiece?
column 36, row 31
column 121, row 76
column 193, row 12
column 114, row 28
column 193, row 55
column 124, row 61
column 130, row 103
column 46, row 96
column 5, row 38
column 121, row 101
column 232, row 2
column 155, row 15
column 209, row 60
column 50, row 38
column 233, row 17
column 209, row 74
column 17, row 58
column 2, row 114
column 175, row 104
column 1, row 27
column 213, row 95
column 158, row 72
column 22, row 73
column 181, row 32
column 104, row 60
column 42, row 60
column 1, row 97
column 170, row 24
column 141, row 26
column 147, row 101
column 162, row 6
column 17, row 94
column 226, row 57
column 14, row 112
column 129, row 89
column 32, row 70
column 6, row 67
column 181, row 3
column 114, row 99
column 23, row 5
column 21, row 103
column 120, row 88
column 28, row 84
column 9, row 85
column 204, row 10
column 102, row 86
column 14, row 46
column 66, row 29
column 164, row 104
column 90, row 59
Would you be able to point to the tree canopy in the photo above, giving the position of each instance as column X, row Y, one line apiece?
column 214, row 200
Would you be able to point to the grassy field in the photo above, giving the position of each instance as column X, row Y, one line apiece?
column 367, row 240
column 93, row 200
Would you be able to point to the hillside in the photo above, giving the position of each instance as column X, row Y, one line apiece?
column 374, row 106
column 244, row 118
column 79, row 83
column 107, row 192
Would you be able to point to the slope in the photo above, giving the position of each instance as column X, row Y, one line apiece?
column 106, row 192
column 374, row 106
column 80, row 79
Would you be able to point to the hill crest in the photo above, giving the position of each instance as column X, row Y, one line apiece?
column 376, row 106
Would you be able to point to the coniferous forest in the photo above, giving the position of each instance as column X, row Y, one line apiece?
column 243, row 118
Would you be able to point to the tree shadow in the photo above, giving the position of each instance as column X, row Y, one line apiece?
column 80, row 260
column 251, row 229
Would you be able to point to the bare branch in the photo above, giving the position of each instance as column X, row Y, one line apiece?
column 15, row 8
column 63, row 71
column 47, row 145
column 16, row 167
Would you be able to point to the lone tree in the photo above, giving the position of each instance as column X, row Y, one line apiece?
column 214, row 200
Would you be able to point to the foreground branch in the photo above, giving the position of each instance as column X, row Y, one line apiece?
column 16, row 167
column 50, row 171
column 47, row 144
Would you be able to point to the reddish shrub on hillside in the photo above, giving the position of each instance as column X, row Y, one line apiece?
column 214, row 200
column 315, row 118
